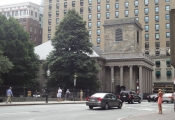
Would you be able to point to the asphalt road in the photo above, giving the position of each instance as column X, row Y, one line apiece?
column 76, row 111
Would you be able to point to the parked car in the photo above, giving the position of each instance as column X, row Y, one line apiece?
column 152, row 97
column 167, row 97
column 129, row 96
column 104, row 100
column 37, row 95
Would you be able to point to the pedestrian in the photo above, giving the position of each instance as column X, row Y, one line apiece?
column 160, row 94
column 9, row 95
column 173, row 95
column 81, row 95
column 67, row 94
column 59, row 94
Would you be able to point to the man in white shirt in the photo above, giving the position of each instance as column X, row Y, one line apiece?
column 59, row 94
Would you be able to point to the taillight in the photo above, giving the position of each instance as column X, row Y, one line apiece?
column 99, row 99
column 129, row 96
column 170, row 96
column 119, row 96
column 147, row 96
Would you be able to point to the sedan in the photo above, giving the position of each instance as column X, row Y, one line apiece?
column 167, row 97
column 152, row 97
column 104, row 100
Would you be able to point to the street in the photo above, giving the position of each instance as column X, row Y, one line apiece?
column 77, row 111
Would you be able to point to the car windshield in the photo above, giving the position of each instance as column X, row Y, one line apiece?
column 98, row 95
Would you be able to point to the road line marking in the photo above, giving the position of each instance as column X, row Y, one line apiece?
column 14, row 113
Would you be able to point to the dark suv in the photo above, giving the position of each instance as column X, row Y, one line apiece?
column 129, row 96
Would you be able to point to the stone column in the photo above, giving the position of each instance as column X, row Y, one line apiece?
column 112, row 78
column 121, row 75
column 130, row 77
column 146, row 80
column 151, row 80
column 143, row 79
column 140, row 82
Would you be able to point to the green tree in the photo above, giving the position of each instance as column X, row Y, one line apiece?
column 71, row 43
column 15, row 43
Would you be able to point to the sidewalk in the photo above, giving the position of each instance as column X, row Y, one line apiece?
column 40, row 103
column 167, row 115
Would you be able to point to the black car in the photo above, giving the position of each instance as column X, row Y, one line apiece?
column 152, row 97
column 103, row 100
column 129, row 96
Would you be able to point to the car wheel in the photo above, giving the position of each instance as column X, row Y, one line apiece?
column 106, row 106
column 90, row 107
column 139, row 101
column 120, row 105
column 132, row 101
column 128, row 102
column 148, row 100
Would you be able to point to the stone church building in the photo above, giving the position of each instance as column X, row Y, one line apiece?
column 122, row 64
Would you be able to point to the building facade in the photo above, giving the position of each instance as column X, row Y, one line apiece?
column 29, row 16
column 152, row 14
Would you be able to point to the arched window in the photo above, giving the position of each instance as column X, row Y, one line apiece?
column 118, row 35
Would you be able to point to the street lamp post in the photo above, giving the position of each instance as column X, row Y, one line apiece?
column 24, row 90
column 113, row 85
column 75, row 77
column 46, row 92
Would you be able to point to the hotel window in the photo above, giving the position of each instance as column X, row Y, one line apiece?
column 81, row 10
column 65, row 4
column 90, row 40
column 167, row 43
column 136, row 3
column 157, row 36
column 81, row 2
column 147, row 45
column 167, row 35
column 50, row 1
column 35, row 30
column 107, row 7
column 49, row 28
column 157, row 45
column 16, row 13
column 147, row 52
column 57, row 20
column 90, row 32
column 156, row 2
column 157, row 27
column 167, row 0
column 89, row 25
column 65, row 11
column 156, row 9
column 116, row 5
column 157, row 53
column 90, row 2
column 167, row 26
column 50, row 14
column 57, row 5
column 157, row 18
column 146, row 2
column 57, row 13
column 126, row 4
column 146, row 37
column 49, row 36
column 116, row 14
column 146, row 11
column 30, row 29
column 90, row 9
column 136, row 12
column 21, row 13
column 118, row 35
column 98, row 8
column 50, row 6
column 98, row 1
column 57, row 0
column 98, row 16
column 98, row 40
column 126, row 13
column 167, row 8
column 89, row 17
column 167, row 17
column 146, row 19
column 73, row 3
column 98, row 24
column 49, row 21
column 107, row 15
column 146, row 28
column 98, row 32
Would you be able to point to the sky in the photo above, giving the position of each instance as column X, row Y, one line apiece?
column 7, row 2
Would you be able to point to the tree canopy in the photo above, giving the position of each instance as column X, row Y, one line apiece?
column 15, row 44
column 72, row 46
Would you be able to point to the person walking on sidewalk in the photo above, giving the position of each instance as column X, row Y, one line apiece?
column 9, row 95
column 67, row 94
column 59, row 94
column 160, row 94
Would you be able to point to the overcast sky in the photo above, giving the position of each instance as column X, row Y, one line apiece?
column 7, row 2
